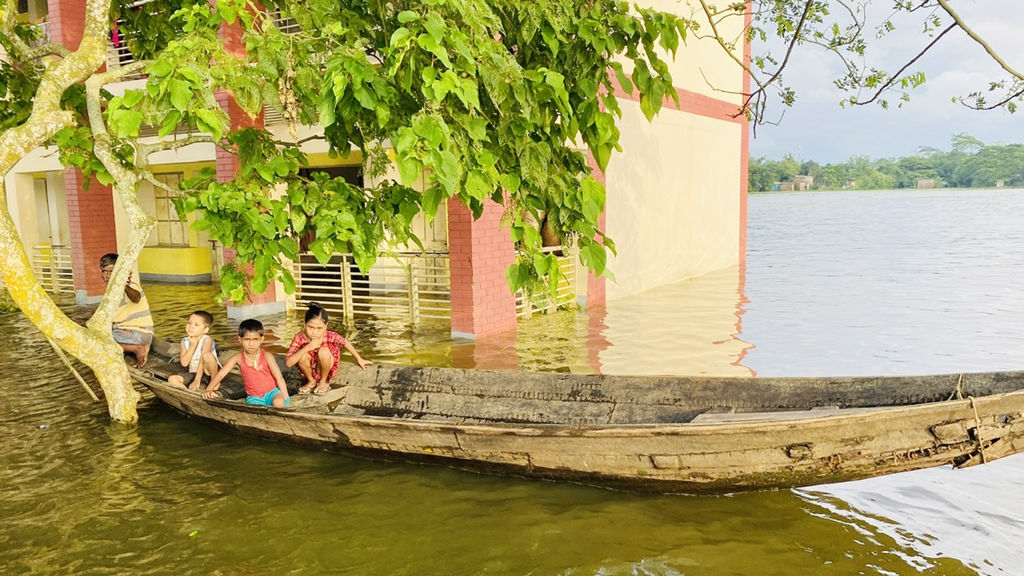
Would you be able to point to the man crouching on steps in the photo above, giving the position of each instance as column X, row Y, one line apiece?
column 133, row 324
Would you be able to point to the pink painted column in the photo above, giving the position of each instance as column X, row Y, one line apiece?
column 93, row 233
column 480, row 252
column 745, row 152
column 596, row 290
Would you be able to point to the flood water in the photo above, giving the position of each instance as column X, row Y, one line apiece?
column 838, row 283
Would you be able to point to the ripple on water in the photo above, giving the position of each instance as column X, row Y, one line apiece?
column 858, row 283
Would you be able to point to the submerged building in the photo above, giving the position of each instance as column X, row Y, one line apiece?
column 676, row 208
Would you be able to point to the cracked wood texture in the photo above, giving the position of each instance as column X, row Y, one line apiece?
column 638, row 433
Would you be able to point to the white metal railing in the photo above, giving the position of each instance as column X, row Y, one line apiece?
column 44, row 34
column 416, row 286
column 564, row 297
column 286, row 24
column 118, row 54
column 52, row 266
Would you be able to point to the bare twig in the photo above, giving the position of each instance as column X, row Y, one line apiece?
column 892, row 79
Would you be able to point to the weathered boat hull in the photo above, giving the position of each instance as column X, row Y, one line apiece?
column 767, row 451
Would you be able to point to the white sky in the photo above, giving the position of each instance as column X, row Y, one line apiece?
column 817, row 128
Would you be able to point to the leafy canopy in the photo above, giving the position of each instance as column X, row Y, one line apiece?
column 483, row 100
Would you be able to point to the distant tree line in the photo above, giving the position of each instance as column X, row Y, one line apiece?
column 969, row 164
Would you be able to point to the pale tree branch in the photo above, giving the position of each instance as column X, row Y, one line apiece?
column 144, row 150
column 974, row 36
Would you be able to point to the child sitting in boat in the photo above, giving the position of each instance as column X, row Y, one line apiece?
column 264, row 384
column 317, row 352
column 198, row 353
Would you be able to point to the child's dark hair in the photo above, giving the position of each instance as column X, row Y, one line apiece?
column 249, row 326
column 205, row 316
column 316, row 311
column 108, row 259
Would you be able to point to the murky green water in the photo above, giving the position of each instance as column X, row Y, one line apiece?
column 849, row 283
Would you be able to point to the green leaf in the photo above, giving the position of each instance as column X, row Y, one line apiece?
column 170, row 122
column 594, row 257
column 322, row 250
column 409, row 169
column 478, row 129
column 478, row 186
column 516, row 275
column 209, row 121
column 620, row 75
column 431, row 199
column 298, row 219
column 181, row 93
column 435, row 27
column 161, row 68
column 541, row 263
column 399, row 36
column 131, row 98
column 593, row 198
column 128, row 123
column 104, row 178
column 448, row 172
column 407, row 16
column 509, row 182
column 262, row 265
column 288, row 280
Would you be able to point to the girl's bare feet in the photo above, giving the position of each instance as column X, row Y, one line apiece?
column 322, row 388
column 307, row 387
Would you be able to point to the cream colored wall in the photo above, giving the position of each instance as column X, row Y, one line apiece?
column 147, row 199
column 701, row 64
column 59, row 207
column 21, row 202
column 673, row 205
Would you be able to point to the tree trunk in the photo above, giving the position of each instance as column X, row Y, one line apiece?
column 95, row 345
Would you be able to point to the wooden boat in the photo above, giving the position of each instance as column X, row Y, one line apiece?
column 663, row 434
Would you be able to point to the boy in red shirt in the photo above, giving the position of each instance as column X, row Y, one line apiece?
column 264, row 384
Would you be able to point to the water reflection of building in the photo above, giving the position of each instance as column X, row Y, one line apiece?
column 686, row 328
column 676, row 206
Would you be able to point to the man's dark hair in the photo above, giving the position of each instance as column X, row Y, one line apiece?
column 249, row 326
column 108, row 259
column 206, row 316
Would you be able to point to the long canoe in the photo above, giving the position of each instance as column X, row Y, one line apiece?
column 663, row 434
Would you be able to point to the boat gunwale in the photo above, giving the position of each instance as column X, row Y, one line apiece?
column 832, row 418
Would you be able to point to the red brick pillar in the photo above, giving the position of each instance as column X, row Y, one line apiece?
column 227, row 167
column 596, row 291
column 66, row 22
column 93, row 233
column 90, row 214
column 480, row 251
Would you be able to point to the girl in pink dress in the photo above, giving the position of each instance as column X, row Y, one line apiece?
column 317, row 352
